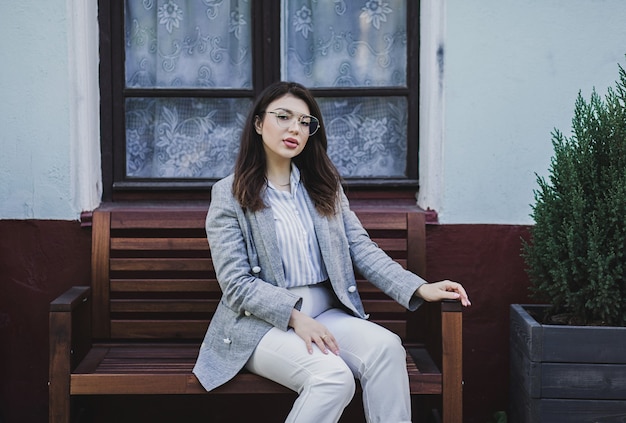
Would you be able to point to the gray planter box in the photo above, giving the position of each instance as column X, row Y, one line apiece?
column 565, row 373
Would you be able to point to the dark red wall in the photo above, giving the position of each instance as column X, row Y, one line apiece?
column 40, row 259
column 486, row 259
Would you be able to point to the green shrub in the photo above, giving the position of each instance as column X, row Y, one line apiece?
column 576, row 257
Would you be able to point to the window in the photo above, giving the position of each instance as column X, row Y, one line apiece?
column 178, row 77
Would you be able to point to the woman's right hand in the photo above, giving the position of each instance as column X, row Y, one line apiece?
column 312, row 331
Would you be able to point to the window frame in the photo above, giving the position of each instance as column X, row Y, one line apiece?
column 266, row 56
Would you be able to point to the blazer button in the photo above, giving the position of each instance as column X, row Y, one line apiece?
column 227, row 341
column 256, row 269
column 352, row 289
column 247, row 313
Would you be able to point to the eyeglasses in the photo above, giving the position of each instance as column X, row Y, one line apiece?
column 307, row 123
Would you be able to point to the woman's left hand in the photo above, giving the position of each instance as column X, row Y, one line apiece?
column 443, row 290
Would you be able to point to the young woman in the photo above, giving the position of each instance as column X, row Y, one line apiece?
column 285, row 246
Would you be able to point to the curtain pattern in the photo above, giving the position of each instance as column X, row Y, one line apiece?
column 198, row 44
column 206, row 44
column 188, row 44
column 183, row 138
column 367, row 135
column 341, row 43
column 357, row 43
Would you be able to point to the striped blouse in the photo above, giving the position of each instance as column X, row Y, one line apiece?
column 299, row 249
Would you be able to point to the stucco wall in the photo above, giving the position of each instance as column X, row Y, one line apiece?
column 49, row 159
column 34, row 161
column 511, row 71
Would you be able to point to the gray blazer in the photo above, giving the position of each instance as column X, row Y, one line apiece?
column 248, row 267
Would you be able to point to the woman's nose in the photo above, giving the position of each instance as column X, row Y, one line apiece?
column 294, row 125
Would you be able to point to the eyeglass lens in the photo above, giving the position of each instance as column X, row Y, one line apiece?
column 306, row 122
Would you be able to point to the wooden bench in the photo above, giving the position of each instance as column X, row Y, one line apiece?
column 136, row 330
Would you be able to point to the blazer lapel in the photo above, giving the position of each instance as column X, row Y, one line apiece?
column 322, row 231
column 264, row 220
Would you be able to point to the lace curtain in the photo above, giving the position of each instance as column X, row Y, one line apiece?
column 342, row 43
column 206, row 44
column 185, row 44
column 188, row 44
column 183, row 138
column 367, row 136
column 358, row 43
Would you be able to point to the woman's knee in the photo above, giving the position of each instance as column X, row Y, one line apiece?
column 388, row 343
column 386, row 353
column 337, row 381
column 348, row 383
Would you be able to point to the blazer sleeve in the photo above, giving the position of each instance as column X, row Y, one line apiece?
column 375, row 265
column 242, row 290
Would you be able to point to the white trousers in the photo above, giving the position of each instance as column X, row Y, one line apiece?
column 325, row 382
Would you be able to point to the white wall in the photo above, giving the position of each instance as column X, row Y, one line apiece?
column 34, row 161
column 511, row 72
column 48, row 109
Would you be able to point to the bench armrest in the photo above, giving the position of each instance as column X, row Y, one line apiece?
column 70, row 340
column 70, row 327
column 70, row 299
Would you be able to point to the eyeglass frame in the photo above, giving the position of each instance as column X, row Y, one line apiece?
column 301, row 125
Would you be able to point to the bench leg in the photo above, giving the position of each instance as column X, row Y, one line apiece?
column 69, row 339
column 59, row 371
column 452, row 398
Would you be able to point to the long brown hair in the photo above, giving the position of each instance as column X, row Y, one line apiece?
column 318, row 174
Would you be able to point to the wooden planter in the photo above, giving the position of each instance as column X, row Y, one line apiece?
column 565, row 373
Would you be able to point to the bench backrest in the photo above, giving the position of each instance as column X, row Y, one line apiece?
column 153, row 279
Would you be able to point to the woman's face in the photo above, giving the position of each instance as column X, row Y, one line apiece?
column 284, row 136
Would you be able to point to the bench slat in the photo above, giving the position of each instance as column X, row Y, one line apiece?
column 188, row 244
column 161, row 264
column 392, row 221
column 391, row 244
column 209, row 305
column 396, row 326
column 162, row 219
column 163, row 306
column 200, row 244
column 158, row 329
column 165, row 285
column 195, row 329
column 384, row 306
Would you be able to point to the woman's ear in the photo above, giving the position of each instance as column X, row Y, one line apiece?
column 258, row 125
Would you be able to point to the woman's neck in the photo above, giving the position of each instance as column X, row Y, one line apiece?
column 279, row 175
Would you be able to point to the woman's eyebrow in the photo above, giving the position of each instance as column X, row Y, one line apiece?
column 284, row 110
column 292, row 112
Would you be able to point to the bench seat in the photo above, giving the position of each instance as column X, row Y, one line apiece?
column 165, row 369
